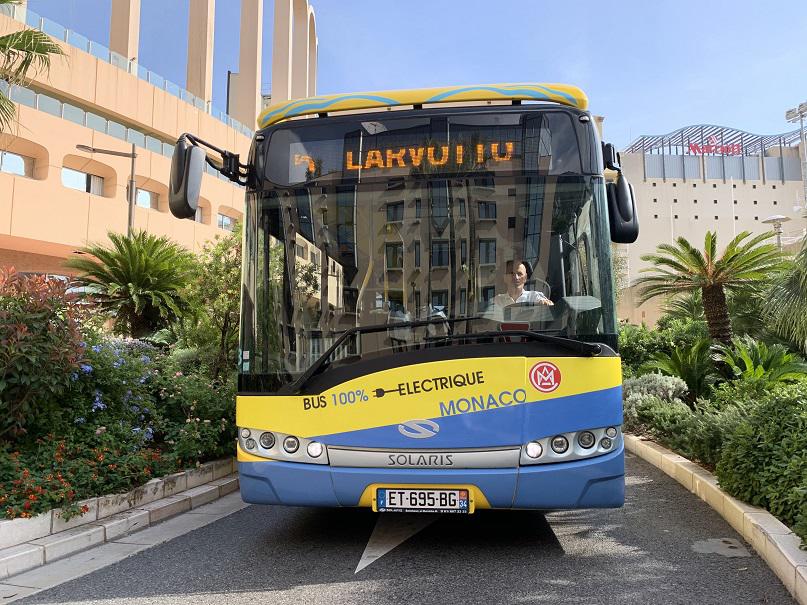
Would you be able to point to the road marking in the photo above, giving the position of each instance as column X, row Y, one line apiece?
column 391, row 530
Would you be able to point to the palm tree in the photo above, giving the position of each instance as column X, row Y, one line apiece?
column 22, row 53
column 788, row 302
column 685, row 306
column 680, row 267
column 136, row 280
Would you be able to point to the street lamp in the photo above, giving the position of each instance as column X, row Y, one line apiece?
column 131, row 191
column 797, row 115
column 776, row 220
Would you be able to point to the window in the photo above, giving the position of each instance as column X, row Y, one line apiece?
column 753, row 186
column 146, row 199
column 313, row 257
column 676, row 216
column 734, row 186
column 755, row 202
column 715, row 201
column 694, row 201
column 655, row 200
column 774, row 186
column 394, row 256
column 82, row 181
column 487, row 251
column 417, row 302
column 418, row 207
column 775, row 202
column 714, row 185
column 440, row 253
column 461, row 203
column 228, row 224
column 675, row 200
column 350, row 298
column 716, row 217
column 395, row 212
column 655, row 216
column 654, row 184
column 417, row 253
column 674, row 185
column 487, row 210
column 488, row 293
column 12, row 163
column 463, row 301
column 199, row 217
column 511, row 191
column 298, row 248
column 694, row 185
column 440, row 299
column 463, row 251
column 696, row 217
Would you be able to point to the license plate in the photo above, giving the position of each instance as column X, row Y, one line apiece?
column 417, row 500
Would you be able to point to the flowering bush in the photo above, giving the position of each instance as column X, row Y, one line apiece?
column 40, row 348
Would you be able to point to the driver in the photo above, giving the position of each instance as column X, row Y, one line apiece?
column 522, row 271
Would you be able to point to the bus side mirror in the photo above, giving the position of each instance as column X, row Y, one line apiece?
column 622, row 211
column 610, row 157
column 185, row 183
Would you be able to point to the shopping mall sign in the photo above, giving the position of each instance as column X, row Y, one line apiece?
column 714, row 147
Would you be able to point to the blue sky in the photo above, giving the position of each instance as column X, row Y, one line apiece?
column 648, row 66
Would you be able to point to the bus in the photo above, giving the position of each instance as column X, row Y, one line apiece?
column 427, row 313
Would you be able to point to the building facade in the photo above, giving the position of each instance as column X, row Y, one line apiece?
column 56, row 198
column 713, row 178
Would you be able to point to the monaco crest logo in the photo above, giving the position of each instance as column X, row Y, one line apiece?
column 545, row 376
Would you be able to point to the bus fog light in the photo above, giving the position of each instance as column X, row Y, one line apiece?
column 267, row 440
column 291, row 444
column 534, row 449
column 560, row 444
column 606, row 443
column 250, row 443
column 610, row 432
column 245, row 433
column 586, row 439
column 314, row 449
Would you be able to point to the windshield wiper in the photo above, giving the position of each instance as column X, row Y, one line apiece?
column 584, row 348
column 323, row 361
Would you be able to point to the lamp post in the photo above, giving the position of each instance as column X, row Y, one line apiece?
column 131, row 191
column 797, row 115
column 776, row 220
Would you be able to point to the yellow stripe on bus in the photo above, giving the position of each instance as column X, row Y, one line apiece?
column 428, row 390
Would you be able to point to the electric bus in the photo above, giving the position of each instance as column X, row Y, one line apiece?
column 427, row 314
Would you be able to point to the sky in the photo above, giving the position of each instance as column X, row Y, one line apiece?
column 648, row 66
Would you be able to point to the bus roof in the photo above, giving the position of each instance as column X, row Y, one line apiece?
column 564, row 94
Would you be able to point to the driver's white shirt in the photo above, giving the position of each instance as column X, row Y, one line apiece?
column 527, row 296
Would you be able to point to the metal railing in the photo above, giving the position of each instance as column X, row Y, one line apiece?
column 62, row 34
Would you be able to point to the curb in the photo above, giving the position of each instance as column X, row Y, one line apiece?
column 771, row 539
column 29, row 543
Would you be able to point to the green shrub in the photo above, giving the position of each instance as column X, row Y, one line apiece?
column 692, row 364
column 40, row 349
column 754, row 361
column 765, row 460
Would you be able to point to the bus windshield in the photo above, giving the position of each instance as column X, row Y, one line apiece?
column 476, row 222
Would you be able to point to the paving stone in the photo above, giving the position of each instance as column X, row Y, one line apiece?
column 758, row 525
column 120, row 524
column 178, row 482
column 734, row 512
column 112, row 504
column 16, row 559
column 59, row 524
column 227, row 484
column 222, row 468
column 783, row 555
column 11, row 592
column 706, row 488
column 17, row 531
column 202, row 494
column 199, row 475
column 70, row 541
column 801, row 584
column 166, row 507
column 151, row 491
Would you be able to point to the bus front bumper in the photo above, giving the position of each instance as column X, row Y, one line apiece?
column 593, row 483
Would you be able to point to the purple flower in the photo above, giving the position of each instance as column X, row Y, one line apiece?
column 118, row 362
column 149, row 434
column 97, row 348
column 145, row 359
column 98, row 403
column 86, row 368
column 80, row 420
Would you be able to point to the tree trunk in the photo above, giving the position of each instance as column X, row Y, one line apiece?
column 717, row 313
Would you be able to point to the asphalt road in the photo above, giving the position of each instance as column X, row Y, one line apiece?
column 664, row 546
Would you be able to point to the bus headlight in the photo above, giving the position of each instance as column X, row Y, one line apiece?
column 267, row 440
column 586, row 439
column 534, row 449
column 291, row 444
column 245, row 433
column 560, row 444
column 606, row 443
column 314, row 449
column 250, row 443
column 610, row 432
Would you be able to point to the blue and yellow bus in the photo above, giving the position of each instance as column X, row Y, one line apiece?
column 428, row 319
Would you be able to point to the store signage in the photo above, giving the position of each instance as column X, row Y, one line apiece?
column 713, row 146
